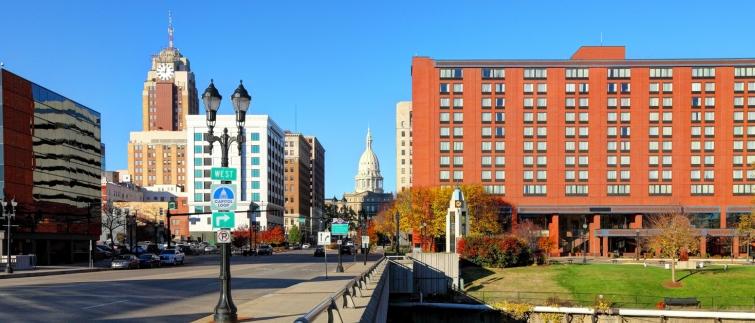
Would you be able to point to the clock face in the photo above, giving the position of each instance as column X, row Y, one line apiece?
column 458, row 203
column 165, row 71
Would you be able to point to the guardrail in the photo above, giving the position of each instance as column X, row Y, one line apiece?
column 345, row 296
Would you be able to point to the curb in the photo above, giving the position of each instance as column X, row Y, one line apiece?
column 50, row 273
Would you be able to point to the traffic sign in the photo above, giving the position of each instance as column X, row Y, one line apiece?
column 341, row 229
column 323, row 238
column 223, row 236
column 302, row 220
column 339, row 242
column 223, row 174
column 365, row 241
column 223, row 197
column 223, row 220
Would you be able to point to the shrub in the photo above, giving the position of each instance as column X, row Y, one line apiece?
column 516, row 310
column 499, row 251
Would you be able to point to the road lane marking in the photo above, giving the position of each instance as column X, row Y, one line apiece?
column 116, row 302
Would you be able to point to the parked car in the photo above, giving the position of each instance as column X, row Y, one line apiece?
column 305, row 246
column 210, row 249
column 347, row 249
column 172, row 256
column 126, row 261
column 102, row 252
column 264, row 249
column 149, row 260
column 320, row 251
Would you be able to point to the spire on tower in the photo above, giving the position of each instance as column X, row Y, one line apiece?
column 170, row 30
column 369, row 138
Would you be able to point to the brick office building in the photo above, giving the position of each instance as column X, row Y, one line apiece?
column 596, row 140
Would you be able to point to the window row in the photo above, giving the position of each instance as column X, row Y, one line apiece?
column 740, row 86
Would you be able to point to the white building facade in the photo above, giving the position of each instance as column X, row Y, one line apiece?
column 259, row 184
column 403, row 145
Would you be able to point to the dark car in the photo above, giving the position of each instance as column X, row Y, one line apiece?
column 149, row 260
column 126, row 261
column 264, row 249
column 346, row 249
column 320, row 251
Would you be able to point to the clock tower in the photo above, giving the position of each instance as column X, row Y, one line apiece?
column 169, row 91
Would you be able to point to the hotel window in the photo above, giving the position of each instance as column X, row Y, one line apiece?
column 653, row 117
column 486, row 146
column 528, row 160
column 543, row 146
column 444, row 87
column 612, row 131
column 500, row 132
column 445, row 146
column 653, row 175
column 701, row 189
column 612, row 102
column 529, row 87
column 661, row 72
column 584, row 102
column 666, row 175
column 542, row 88
column 739, row 86
column 458, row 117
column 445, row 102
column 571, row 102
column 458, row 132
column 696, row 117
column 583, row 132
column 487, row 117
column 695, row 160
column 751, row 102
column 570, row 175
column 458, row 103
column 666, row 161
column 542, row 175
column 451, row 73
column 738, row 145
column 612, row 87
column 625, row 117
column 654, row 87
column 487, row 88
column 542, row 160
column 653, row 146
column 487, row 160
column 625, row 87
column 570, row 131
column 751, row 116
column 667, row 117
column 667, row 102
column 654, row 102
column 709, row 102
column 500, row 175
column 619, row 73
column 528, row 146
column 542, row 102
column 696, row 87
column 710, row 116
column 487, row 103
column 583, row 160
column 624, row 174
column 570, row 146
column 572, row 73
column 744, row 72
column 611, row 175
column 529, row 102
column 529, row 131
column 750, row 86
column 709, row 160
column 570, row 160
column 534, row 190
column 741, row 189
column 500, row 146
column 664, row 189
column 458, row 175
column 458, row 160
column 653, row 160
column 500, row 160
column 576, row 189
column 710, row 87
column 611, row 160
column 696, row 131
column 500, row 102
column 535, row 73
column 500, row 88
column 529, row 117
column 737, row 174
column 444, row 175
column 542, row 131
column 737, row 160
column 667, row 146
column 444, row 131
column 703, row 72
column 584, row 88
column 618, row 190
column 625, row 160
column 570, row 117
column 668, row 87
column 486, row 175
column 445, row 117
column 445, row 160
column 668, row 131
column 625, row 102
column 612, row 146
column 750, row 145
column 493, row 73
column 571, row 87
column 487, row 132
column 710, row 131
column 708, row 175
column 584, row 117
column 458, row 146
column 583, row 174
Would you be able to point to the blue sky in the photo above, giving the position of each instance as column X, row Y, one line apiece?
column 342, row 64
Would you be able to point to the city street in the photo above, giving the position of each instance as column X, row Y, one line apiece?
column 168, row 294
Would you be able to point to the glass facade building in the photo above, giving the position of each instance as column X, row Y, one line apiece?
column 50, row 162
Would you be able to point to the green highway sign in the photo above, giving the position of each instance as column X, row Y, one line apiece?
column 223, row 174
column 339, row 229
column 223, row 220
column 302, row 220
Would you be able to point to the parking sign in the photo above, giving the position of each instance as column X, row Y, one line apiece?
column 223, row 236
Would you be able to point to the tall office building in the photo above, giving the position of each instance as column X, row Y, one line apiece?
column 297, row 186
column 157, row 158
column 169, row 93
column 317, row 180
column 596, row 140
column 403, row 145
column 50, row 163
column 259, row 168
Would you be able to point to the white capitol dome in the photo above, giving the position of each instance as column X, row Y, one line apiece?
column 368, row 177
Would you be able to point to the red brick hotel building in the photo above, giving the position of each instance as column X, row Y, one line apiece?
column 597, row 140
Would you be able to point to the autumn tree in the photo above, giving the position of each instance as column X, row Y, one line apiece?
column 294, row 235
column 675, row 234
column 240, row 236
column 746, row 229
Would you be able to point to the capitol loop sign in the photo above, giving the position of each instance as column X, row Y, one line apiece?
column 223, row 197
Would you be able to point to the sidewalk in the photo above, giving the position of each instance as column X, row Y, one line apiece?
column 55, row 270
column 290, row 303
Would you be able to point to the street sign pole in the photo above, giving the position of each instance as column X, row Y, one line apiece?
column 339, row 268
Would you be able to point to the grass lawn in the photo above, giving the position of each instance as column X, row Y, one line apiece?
column 625, row 285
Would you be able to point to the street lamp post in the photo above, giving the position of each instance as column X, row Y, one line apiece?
column 584, row 231
column 9, row 214
column 637, row 248
column 225, row 310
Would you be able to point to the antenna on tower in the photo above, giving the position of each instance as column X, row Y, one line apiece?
column 170, row 29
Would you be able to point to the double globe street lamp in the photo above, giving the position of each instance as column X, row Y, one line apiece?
column 225, row 310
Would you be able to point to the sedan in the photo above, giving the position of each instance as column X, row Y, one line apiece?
column 172, row 256
column 320, row 251
column 149, row 260
column 346, row 249
column 126, row 261
column 264, row 249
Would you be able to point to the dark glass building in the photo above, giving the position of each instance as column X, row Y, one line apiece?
column 50, row 162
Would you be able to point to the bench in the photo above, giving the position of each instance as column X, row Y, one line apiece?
column 681, row 301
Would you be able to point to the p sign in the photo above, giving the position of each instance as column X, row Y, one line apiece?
column 223, row 236
column 323, row 238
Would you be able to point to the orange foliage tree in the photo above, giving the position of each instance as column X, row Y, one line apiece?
column 273, row 235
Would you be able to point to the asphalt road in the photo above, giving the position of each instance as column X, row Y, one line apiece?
column 168, row 294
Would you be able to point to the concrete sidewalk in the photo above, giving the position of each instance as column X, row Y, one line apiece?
column 289, row 304
column 52, row 270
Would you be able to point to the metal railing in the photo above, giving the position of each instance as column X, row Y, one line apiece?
column 617, row 300
column 345, row 297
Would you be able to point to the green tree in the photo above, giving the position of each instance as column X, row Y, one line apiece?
column 675, row 234
column 746, row 230
column 294, row 235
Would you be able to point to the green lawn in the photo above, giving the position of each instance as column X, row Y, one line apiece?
column 624, row 285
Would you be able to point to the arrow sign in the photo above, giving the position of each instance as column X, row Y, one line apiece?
column 223, row 220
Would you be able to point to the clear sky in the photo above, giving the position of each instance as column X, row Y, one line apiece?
column 342, row 64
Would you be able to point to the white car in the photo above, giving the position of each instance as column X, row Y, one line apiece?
column 172, row 257
column 305, row 246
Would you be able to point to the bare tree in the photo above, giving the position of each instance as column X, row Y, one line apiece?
column 529, row 232
column 112, row 219
column 674, row 234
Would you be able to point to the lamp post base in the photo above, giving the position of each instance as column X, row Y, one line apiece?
column 8, row 269
column 339, row 268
